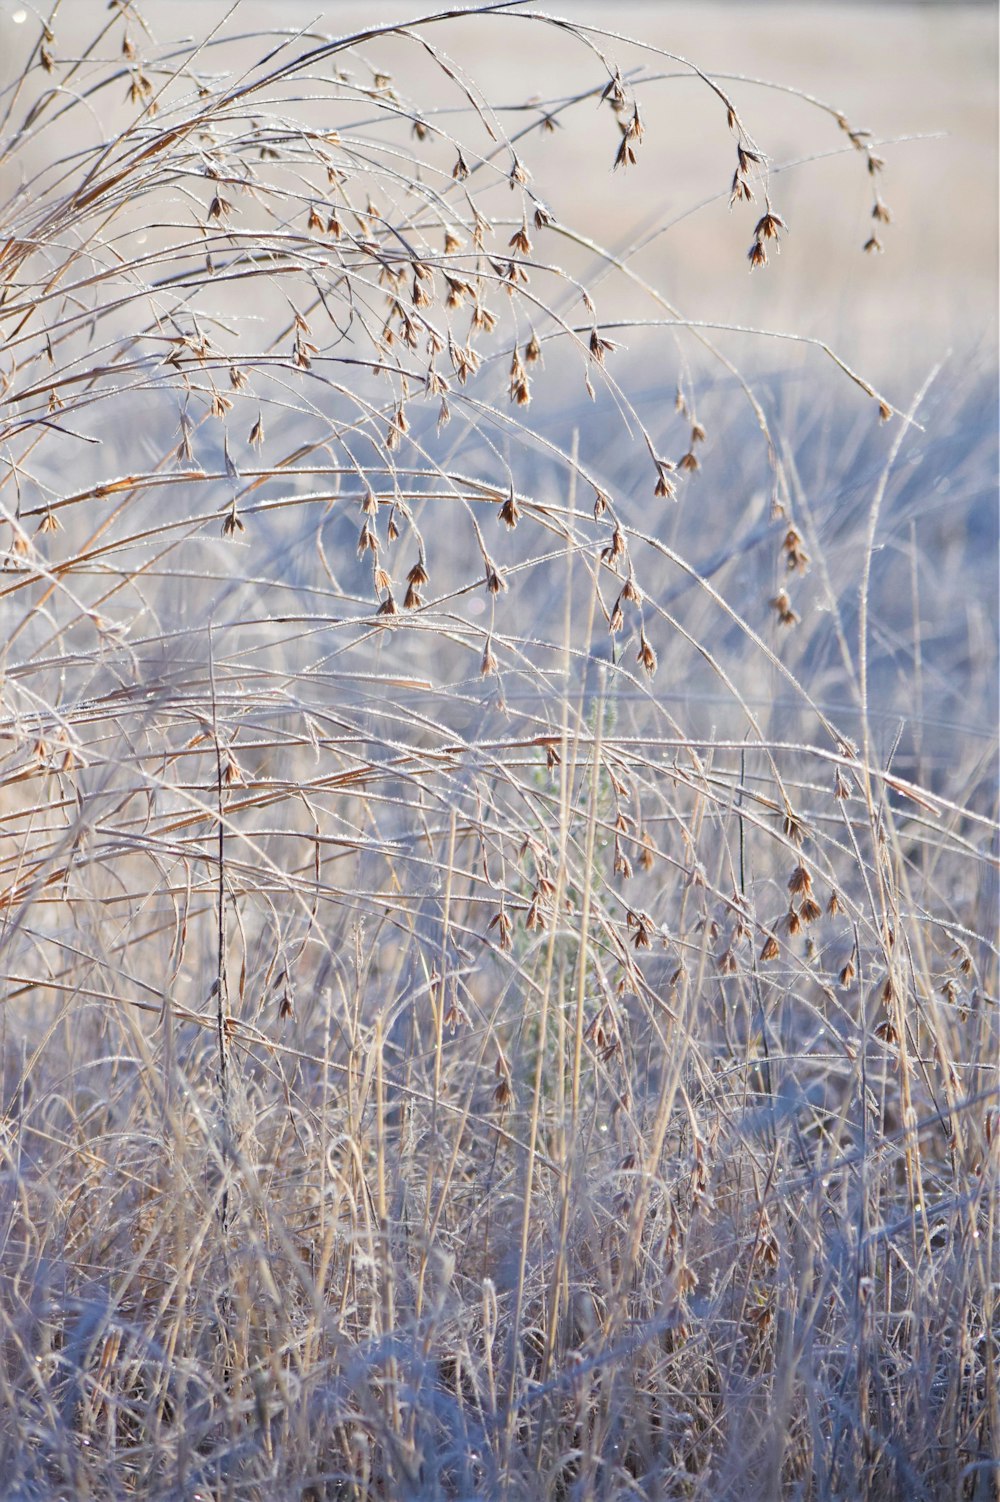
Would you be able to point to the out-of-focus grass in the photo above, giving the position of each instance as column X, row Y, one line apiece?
column 499, row 963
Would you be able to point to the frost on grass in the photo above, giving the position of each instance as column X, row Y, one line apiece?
column 498, row 989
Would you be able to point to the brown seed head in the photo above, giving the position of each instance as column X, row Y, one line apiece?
column 509, row 512
column 793, row 826
column 810, row 910
column 782, row 605
column 646, row 657
column 768, row 225
column 505, row 929
column 599, row 347
column 664, row 485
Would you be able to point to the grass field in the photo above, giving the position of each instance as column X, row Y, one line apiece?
column 498, row 855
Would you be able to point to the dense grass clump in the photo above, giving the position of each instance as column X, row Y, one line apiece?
column 497, row 868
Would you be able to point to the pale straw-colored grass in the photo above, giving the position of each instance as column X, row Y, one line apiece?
column 498, row 843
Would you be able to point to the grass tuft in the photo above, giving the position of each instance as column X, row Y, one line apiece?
column 498, row 858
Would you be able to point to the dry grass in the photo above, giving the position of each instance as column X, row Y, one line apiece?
column 499, row 841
